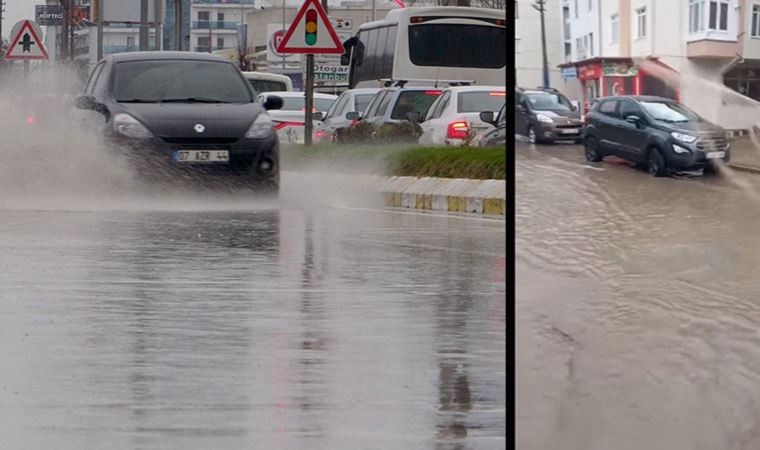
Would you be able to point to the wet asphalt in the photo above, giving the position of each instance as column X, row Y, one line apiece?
column 288, row 325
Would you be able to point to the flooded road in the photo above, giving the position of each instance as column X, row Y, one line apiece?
column 638, row 306
column 295, row 325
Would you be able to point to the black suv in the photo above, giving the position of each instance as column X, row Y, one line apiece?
column 545, row 115
column 660, row 133
column 191, row 113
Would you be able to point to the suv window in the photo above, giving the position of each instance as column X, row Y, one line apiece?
column 436, row 109
column 417, row 101
column 94, row 78
column 628, row 108
column 337, row 107
column 375, row 102
column 383, row 104
column 609, row 107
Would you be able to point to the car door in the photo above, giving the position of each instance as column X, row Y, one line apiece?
column 433, row 120
column 521, row 114
column 632, row 137
column 605, row 121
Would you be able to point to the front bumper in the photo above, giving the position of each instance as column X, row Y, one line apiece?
column 250, row 157
column 697, row 155
column 554, row 132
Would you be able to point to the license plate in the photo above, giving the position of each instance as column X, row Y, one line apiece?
column 715, row 155
column 202, row 156
column 570, row 131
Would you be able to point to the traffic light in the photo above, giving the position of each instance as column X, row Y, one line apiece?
column 311, row 27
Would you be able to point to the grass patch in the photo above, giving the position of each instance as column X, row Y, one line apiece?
column 401, row 160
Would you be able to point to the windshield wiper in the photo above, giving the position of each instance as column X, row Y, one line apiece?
column 192, row 100
column 137, row 100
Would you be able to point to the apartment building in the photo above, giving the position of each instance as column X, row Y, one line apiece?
column 528, row 52
column 704, row 44
column 215, row 24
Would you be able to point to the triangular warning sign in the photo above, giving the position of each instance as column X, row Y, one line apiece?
column 311, row 32
column 26, row 44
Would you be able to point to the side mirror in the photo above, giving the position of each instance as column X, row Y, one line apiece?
column 353, row 115
column 487, row 117
column 636, row 120
column 272, row 102
column 576, row 105
column 414, row 116
column 317, row 115
column 85, row 102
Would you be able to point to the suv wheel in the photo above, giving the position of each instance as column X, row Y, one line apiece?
column 657, row 166
column 592, row 150
column 532, row 135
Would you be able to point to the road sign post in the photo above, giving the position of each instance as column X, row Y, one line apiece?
column 311, row 33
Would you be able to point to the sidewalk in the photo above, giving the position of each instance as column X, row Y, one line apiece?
column 745, row 156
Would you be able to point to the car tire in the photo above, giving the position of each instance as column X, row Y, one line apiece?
column 711, row 169
column 591, row 150
column 532, row 136
column 656, row 163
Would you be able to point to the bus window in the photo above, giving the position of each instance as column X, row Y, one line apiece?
column 457, row 45
column 390, row 50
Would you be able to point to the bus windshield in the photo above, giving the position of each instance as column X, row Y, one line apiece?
column 458, row 45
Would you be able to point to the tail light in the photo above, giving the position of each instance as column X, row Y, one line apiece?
column 354, row 122
column 30, row 120
column 319, row 134
column 432, row 92
column 280, row 125
column 497, row 94
column 458, row 130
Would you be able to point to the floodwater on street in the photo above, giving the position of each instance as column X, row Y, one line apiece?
column 638, row 306
column 300, row 324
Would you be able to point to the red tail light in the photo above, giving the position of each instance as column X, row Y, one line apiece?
column 432, row 92
column 30, row 120
column 279, row 125
column 354, row 122
column 501, row 22
column 458, row 130
column 319, row 134
column 416, row 19
column 497, row 94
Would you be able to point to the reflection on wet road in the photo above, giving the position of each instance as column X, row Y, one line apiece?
column 638, row 314
column 293, row 328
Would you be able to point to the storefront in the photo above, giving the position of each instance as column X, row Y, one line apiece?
column 602, row 77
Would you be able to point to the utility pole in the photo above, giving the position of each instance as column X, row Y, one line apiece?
column 2, row 13
column 157, row 22
column 65, row 29
column 178, row 25
column 143, row 25
column 540, row 6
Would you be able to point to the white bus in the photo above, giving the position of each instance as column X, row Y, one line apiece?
column 432, row 43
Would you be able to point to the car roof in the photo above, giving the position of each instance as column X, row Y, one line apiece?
column 638, row 98
column 265, row 76
column 362, row 91
column 148, row 56
column 298, row 94
column 476, row 88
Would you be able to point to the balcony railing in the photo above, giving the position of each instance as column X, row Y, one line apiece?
column 214, row 25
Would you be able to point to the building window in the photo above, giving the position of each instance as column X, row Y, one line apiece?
column 130, row 43
column 204, row 16
column 718, row 15
column 614, row 28
column 755, row 20
column 220, row 17
column 696, row 16
column 219, row 43
column 641, row 23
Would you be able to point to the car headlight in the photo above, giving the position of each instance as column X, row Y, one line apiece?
column 130, row 127
column 262, row 127
column 544, row 118
column 683, row 137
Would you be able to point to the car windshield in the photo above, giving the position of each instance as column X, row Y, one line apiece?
column 502, row 115
column 299, row 104
column 261, row 86
column 413, row 101
column 362, row 101
column 670, row 112
column 156, row 81
column 468, row 102
column 549, row 102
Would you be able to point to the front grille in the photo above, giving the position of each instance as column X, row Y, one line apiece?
column 205, row 142
column 710, row 144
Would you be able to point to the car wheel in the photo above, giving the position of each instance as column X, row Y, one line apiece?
column 657, row 166
column 532, row 138
column 592, row 152
column 710, row 169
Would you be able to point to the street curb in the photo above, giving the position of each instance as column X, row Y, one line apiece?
column 485, row 198
column 742, row 168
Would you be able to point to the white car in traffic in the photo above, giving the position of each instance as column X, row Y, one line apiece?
column 454, row 117
column 290, row 119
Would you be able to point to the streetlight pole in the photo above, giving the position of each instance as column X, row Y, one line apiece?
column 540, row 6
column 143, row 25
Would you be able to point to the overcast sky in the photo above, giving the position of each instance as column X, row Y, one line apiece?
column 16, row 10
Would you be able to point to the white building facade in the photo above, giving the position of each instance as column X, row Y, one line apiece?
column 528, row 51
column 215, row 26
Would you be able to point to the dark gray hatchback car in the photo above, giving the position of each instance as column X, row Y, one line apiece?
column 183, row 112
column 660, row 134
